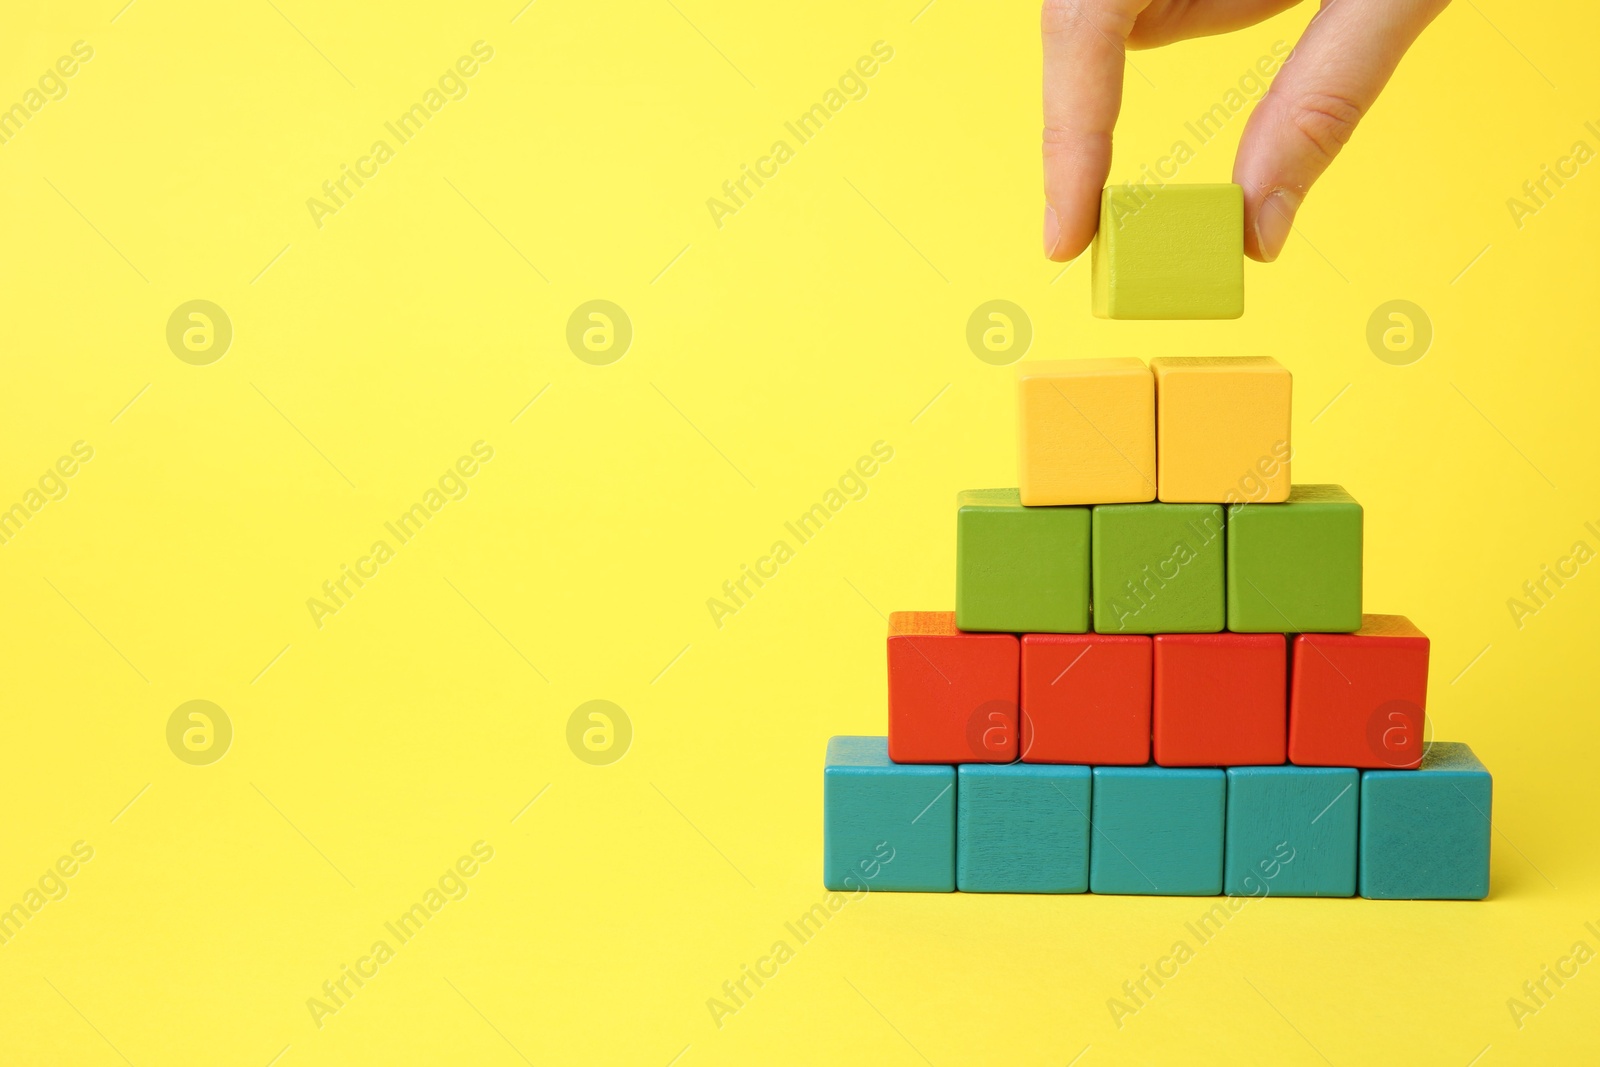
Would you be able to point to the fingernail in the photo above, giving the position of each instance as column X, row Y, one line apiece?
column 1052, row 231
column 1273, row 222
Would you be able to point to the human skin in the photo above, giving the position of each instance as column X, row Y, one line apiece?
column 1337, row 69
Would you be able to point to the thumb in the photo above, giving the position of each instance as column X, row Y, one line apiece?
column 1336, row 71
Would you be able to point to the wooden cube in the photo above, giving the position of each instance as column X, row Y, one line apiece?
column 1222, row 429
column 1219, row 699
column 886, row 826
column 952, row 695
column 1295, row 567
column 1157, row 568
column 1425, row 833
column 1359, row 700
column 1157, row 831
column 1086, row 431
column 1291, row 831
column 1022, row 828
column 1020, row 569
column 1170, row 252
column 1086, row 698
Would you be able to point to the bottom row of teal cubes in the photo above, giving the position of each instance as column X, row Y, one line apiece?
column 1172, row 831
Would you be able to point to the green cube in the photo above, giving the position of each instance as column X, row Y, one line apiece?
column 1020, row 570
column 1295, row 567
column 1171, row 252
column 1158, row 568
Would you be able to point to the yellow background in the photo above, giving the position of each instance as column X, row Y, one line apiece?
column 768, row 355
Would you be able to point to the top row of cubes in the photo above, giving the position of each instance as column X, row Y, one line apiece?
column 1193, row 430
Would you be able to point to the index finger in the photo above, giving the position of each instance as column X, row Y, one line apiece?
column 1084, row 46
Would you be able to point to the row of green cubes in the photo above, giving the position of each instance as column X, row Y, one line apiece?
column 1293, row 567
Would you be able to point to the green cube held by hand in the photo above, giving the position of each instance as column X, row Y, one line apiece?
column 1169, row 252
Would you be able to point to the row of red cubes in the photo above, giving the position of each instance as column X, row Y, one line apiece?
column 1188, row 700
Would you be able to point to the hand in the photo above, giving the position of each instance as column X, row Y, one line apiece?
column 1336, row 71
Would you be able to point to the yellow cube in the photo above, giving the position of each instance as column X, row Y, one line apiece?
column 1222, row 429
column 1086, row 431
column 1173, row 252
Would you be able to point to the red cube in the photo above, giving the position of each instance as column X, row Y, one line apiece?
column 1359, row 700
column 1220, row 699
column 952, row 695
column 1086, row 698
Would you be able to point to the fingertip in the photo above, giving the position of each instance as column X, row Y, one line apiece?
column 1274, row 177
column 1268, row 221
column 1074, row 173
column 1273, row 223
column 1066, row 234
column 1252, row 228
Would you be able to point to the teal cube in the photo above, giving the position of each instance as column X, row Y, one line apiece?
column 1425, row 832
column 1158, row 831
column 1295, row 567
column 886, row 826
column 1291, row 831
column 1022, row 828
column 1157, row 568
column 1019, row 569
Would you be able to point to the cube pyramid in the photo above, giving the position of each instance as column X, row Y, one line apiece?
column 1160, row 677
